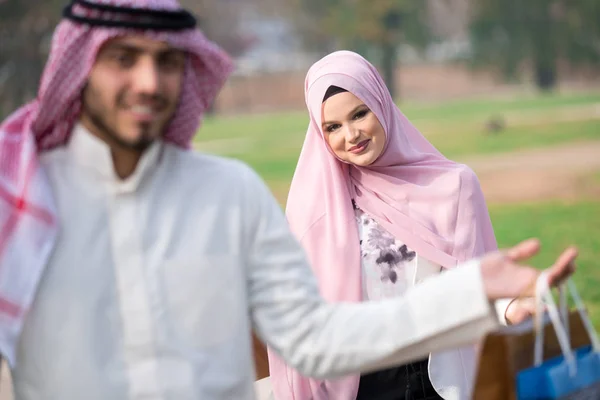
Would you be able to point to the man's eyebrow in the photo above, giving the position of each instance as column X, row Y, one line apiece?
column 124, row 47
column 137, row 49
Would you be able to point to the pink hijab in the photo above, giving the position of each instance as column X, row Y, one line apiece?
column 28, row 224
column 432, row 204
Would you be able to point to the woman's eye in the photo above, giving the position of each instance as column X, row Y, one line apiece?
column 332, row 128
column 360, row 114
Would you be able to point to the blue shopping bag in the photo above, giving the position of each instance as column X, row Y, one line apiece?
column 575, row 374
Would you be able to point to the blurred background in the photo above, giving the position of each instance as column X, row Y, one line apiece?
column 509, row 87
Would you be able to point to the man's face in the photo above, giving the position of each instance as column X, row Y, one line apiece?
column 133, row 91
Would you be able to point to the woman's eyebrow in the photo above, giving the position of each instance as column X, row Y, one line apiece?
column 350, row 114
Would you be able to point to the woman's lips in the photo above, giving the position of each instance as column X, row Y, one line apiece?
column 359, row 148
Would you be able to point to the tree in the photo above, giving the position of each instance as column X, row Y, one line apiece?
column 25, row 31
column 219, row 20
column 538, row 32
column 374, row 28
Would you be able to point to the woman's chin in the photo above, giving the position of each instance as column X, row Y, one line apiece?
column 364, row 160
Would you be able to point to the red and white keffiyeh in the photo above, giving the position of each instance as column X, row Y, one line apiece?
column 28, row 222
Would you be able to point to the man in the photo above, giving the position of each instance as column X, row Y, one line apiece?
column 133, row 268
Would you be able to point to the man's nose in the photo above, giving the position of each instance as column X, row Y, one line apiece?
column 146, row 77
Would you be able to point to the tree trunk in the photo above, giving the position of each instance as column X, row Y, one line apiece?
column 388, row 66
column 545, row 52
column 545, row 76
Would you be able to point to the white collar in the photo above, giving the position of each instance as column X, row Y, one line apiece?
column 94, row 155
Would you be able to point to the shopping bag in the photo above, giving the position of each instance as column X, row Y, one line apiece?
column 575, row 374
column 506, row 352
column 261, row 361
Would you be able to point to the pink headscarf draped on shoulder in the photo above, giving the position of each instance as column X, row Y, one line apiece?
column 432, row 204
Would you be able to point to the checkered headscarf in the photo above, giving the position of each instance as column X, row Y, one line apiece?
column 28, row 224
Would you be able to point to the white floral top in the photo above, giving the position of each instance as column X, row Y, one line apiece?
column 387, row 263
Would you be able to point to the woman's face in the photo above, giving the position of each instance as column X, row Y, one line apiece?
column 352, row 130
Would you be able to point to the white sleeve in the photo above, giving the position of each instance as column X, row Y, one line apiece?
column 501, row 307
column 327, row 340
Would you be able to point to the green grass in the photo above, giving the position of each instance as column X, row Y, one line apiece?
column 471, row 140
column 456, row 128
column 457, row 110
column 558, row 225
column 275, row 158
column 272, row 142
column 282, row 125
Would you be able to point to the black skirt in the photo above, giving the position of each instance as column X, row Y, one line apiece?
column 407, row 382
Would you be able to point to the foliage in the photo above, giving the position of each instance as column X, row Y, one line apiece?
column 506, row 33
column 373, row 28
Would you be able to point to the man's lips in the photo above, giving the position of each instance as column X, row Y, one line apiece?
column 144, row 113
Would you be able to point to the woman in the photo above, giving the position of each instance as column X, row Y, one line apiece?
column 378, row 209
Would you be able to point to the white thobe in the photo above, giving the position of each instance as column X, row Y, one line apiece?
column 157, row 280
